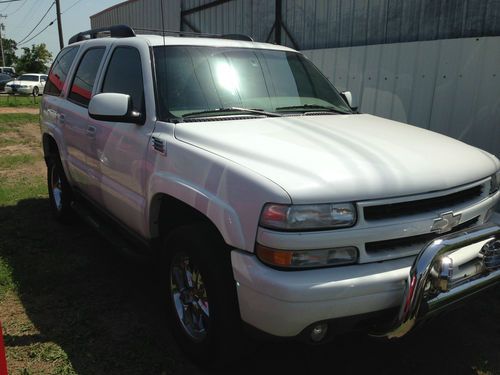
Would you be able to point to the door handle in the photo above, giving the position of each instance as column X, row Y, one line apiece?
column 91, row 130
column 61, row 118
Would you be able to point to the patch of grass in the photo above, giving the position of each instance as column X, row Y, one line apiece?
column 26, row 187
column 12, row 121
column 13, row 161
column 19, row 101
column 6, row 282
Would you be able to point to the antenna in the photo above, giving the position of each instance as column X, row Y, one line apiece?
column 162, row 21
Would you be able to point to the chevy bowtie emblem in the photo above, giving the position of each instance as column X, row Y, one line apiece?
column 445, row 222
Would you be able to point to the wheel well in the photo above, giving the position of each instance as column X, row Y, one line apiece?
column 168, row 213
column 49, row 146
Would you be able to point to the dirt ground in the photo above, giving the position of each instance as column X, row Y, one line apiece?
column 32, row 111
column 77, row 307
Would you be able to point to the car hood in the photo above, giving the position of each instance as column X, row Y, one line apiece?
column 328, row 158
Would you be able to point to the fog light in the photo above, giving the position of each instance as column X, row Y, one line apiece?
column 491, row 254
column 318, row 333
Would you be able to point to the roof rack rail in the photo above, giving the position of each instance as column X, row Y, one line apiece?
column 199, row 35
column 116, row 31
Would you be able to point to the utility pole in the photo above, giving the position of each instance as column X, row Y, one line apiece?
column 278, row 22
column 2, row 27
column 59, row 24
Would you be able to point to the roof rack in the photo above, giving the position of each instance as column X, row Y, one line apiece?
column 116, row 31
column 124, row 31
column 198, row 35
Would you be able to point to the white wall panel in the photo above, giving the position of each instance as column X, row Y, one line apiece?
column 450, row 86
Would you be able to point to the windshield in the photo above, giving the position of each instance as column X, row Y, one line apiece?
column 28, row 77
column 201, row 79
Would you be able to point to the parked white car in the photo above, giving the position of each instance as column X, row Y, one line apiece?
column 27, row 84
column 266, row 201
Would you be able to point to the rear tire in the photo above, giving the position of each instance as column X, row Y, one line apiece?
column 60, row 194
column 204, row 317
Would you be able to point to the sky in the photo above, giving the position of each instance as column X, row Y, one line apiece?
column 23, row 15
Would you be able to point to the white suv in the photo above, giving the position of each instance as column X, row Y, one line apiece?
column 264, row 198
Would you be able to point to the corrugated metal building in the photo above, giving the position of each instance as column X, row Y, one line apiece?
column 431, row 63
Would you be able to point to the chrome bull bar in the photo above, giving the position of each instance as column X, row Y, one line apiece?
column 429, row 288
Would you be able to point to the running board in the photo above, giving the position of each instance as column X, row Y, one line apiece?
column 121, row 241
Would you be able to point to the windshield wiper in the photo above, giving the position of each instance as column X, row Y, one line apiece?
column 233, row 109
column 308, row 107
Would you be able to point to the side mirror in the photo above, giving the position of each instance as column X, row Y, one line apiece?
column 347, row 96
column 114, row 107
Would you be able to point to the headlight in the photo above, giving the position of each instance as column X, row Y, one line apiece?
column 308, row 216
column 297, row 259
column 495, row 183
column 25, row 86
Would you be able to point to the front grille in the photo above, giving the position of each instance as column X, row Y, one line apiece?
column 412, row 243
column 442, row 203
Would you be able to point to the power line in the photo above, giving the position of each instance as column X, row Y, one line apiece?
column 46, row 27
column 28, row 13
column 19, row 8
column 39, row 22
column 71, row 6
column 33, row 37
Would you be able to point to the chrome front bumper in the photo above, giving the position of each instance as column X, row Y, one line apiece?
column 430, row 286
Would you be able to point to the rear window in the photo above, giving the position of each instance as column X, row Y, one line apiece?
column 59, row 71
column 28, row 77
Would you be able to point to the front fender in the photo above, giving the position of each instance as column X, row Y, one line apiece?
column 228, row 194
column 223, row 216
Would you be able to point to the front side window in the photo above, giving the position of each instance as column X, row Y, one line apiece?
column 59, row 71
column 198, row 79
column 83, row 83
column 124, row 76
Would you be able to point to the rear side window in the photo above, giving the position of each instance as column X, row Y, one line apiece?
column 59, row 71
column 83, row 83
column 124, row 76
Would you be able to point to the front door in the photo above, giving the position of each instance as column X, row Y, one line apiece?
column 118, row 151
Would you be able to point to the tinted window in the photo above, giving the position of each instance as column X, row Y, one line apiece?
column 83, row 83
column 28, row 77
column 59, row 71
column 4, row 77
column 124, row 76
column 196, row 78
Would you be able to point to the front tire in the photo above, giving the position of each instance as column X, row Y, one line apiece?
column 200, row 294
column 60, row 195
column 36, row 91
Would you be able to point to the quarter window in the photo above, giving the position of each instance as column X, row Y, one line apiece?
column 83, row 83
column 124, row 76
column 59, row 71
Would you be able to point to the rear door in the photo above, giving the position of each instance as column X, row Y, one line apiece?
column 76, row 116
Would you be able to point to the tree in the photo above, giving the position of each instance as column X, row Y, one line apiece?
column 9, row 51
column 34, row 60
